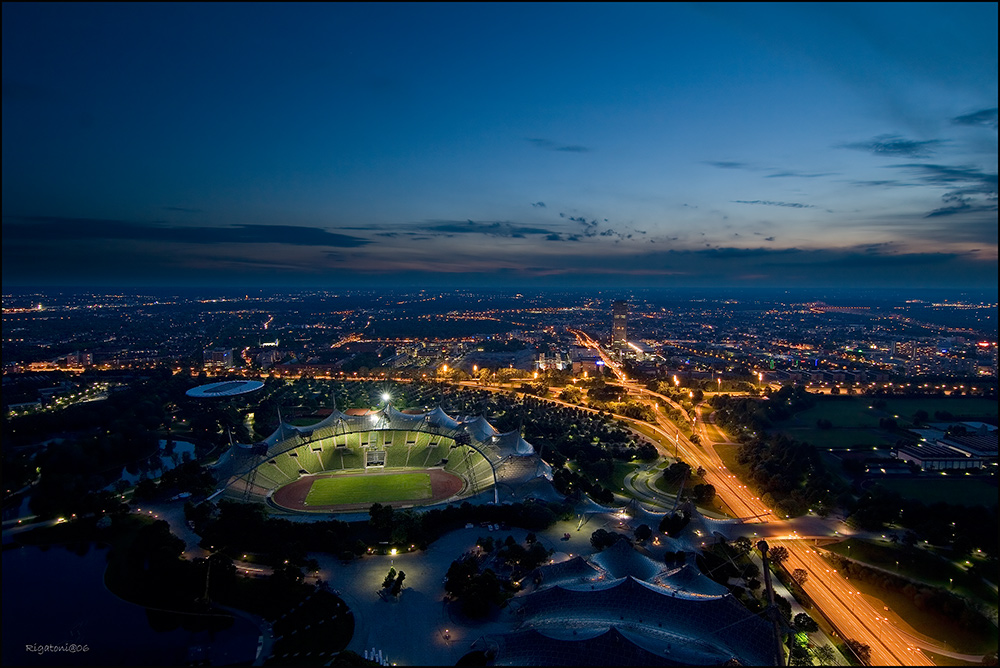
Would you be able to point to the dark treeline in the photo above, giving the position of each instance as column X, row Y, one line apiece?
column 789, row 474
column 238, row 527
column 961, row 528
column 925, row 598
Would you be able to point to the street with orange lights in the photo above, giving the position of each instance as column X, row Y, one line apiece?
column 841, row 604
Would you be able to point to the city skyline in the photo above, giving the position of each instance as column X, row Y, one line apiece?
column 484, row 145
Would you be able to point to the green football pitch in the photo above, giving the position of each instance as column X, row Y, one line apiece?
column 342, row 489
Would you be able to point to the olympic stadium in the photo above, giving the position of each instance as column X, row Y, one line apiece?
column 345, row 463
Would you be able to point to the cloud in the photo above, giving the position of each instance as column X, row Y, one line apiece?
column 793, row 205
column 801, row 175
column 180, row 209
column 985, row 117
column 548, row 145
column 37, row 228
column 776, row 172
column 881, row 183
column 589, row 226
column 488, row 228
column 895, row 146
column 971, row 191
column 976, row 179
column 538, row 205
column 723, row 164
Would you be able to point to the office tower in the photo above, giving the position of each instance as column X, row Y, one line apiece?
column 619, row 333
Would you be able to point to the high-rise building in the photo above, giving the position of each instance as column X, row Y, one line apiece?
column 619, row 333
column 219, row 358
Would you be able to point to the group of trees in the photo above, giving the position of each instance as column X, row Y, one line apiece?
column 477, row 591
column 189, row 476
column 402, row 527
column 603, row 538
column 518, row 559
column 747, row 414
column 239, row 527
column 956, row 526
column 674, row 523
column 789, row 474
column 393, row 582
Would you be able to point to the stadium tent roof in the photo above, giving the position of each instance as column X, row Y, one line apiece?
column 610, row 648
column 480, row 429
column 621, row 559
column 567, row 573
column 226, row 388
column 513, row 442
column 719, row 628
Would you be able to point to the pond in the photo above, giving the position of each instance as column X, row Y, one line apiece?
column 57, row 611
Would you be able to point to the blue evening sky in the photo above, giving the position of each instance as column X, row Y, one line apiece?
column 508, row 145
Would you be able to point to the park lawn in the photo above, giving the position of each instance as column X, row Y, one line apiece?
column 915, row 564
column 672, row 487
column 963, row 408
column 727, row 453
column 840, row 438
column 622, row 469
column 966, row 490
column 852, row 412
column 343, row 489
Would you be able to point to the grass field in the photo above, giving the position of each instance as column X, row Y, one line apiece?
column 852, row 412
column 856, row 423
column 967, row 490
column 855, row 412
column 963, row 408
column 840, row 439
column 343, row 489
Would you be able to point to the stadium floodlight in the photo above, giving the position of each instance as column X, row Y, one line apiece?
column 386, row 396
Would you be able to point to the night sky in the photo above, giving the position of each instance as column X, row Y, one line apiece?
column 497, row 145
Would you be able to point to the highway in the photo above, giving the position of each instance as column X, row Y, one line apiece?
column 840, row 603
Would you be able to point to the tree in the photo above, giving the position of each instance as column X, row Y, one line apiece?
column 861, row 650
column 673, row 524
column 677, row 471
column 805, row 623
column 397, row 586
column 742, row 545
column 601, row 538
column 389, row 578
column 799, row 656
column 826, row 655
column 704, row 493
column 800, row 576
column 778, row 554
column 643, row 532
